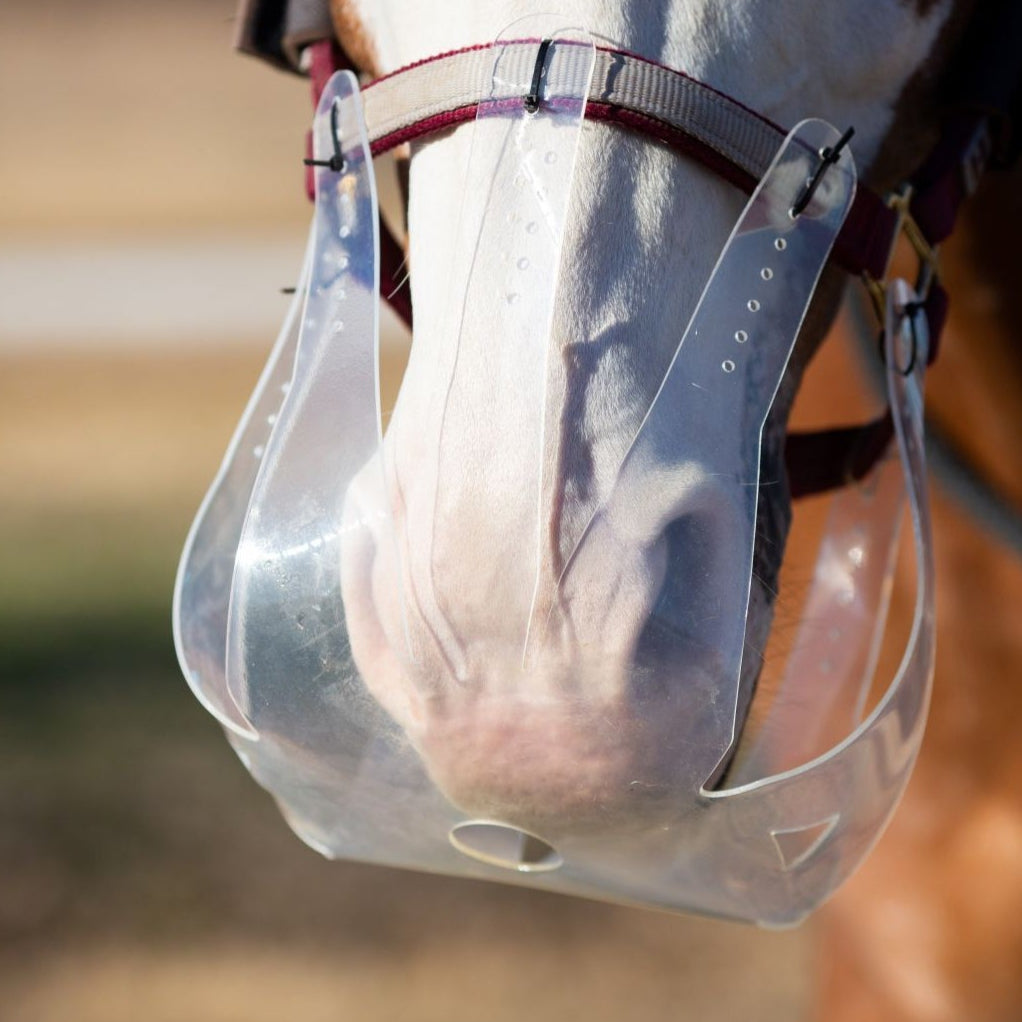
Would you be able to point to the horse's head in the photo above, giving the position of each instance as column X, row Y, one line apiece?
column 524, row 698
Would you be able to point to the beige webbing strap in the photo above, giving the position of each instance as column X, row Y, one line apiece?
column 396, row 104
column 733, row 141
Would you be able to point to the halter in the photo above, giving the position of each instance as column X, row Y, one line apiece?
column 736, row 144
column 983, row 109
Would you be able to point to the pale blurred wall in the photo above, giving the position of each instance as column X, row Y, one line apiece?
column 151, row 208
column 134, row 119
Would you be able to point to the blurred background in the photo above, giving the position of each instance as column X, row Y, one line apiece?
column 151, row 209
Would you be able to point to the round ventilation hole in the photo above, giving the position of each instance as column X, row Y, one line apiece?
column 500, row 845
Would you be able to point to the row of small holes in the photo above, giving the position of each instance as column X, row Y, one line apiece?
column 341, row 262
column 753, row 305
column 530, row 228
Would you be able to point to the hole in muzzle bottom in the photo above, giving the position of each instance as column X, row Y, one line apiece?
column 499, row 844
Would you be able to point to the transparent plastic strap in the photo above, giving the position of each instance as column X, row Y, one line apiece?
column 288, row 656
column 822, row 695
column 202, row 592
column 701, row 439
column 504, row 282
column 810, row 827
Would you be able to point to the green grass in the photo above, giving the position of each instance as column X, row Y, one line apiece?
column 86, row 592
column 59, row 565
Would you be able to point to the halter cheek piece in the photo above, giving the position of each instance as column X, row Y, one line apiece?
column 261, row 624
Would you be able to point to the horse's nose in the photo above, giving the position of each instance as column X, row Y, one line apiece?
column 574, row 674
column 664, row 552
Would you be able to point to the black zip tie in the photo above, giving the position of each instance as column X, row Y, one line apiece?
column 910, row 310
column 336, row 162
column 532, row 99
column 828, row 157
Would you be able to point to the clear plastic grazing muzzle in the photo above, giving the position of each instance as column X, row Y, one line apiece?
column 271, row 630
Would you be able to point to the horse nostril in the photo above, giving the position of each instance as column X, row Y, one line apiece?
column 689, row 570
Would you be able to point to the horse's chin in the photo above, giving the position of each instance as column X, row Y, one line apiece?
column 530, row 748
column 544, row 765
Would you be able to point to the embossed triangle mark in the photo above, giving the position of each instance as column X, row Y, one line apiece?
column 796, row 844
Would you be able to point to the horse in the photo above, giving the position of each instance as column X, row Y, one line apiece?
column 873, row 69
column 462, row 616
column 892, row 946
column 645, row 230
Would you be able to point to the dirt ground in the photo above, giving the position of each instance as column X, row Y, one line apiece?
column 143, row 876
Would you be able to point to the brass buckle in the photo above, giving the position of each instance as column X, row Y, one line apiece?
column 928, row 255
